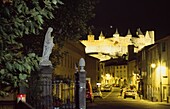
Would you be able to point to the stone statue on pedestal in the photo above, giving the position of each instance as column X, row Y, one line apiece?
column 47, row 48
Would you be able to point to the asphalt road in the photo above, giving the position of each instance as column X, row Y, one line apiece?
column 112, row 100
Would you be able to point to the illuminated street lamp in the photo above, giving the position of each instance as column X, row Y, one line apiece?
column 153, row 65
column 108, row 77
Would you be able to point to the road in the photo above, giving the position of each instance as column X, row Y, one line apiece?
column 112, row 100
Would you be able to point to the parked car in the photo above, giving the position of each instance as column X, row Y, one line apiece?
column 130, row 94
column 89, row 92
column 106, row 87
column 97, row 93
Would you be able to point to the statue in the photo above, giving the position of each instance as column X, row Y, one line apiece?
column 47, row 48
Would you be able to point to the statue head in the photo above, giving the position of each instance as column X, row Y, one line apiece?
column 50, row 29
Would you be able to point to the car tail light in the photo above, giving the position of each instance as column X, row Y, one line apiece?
column 90, row 94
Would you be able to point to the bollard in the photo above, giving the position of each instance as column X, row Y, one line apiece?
column 80, row 86
column 82, row 83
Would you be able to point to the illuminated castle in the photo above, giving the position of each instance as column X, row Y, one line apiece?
column 104, row 48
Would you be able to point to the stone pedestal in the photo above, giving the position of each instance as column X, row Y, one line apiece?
column 46, row 86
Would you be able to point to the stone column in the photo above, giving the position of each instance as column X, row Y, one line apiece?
column 46, row 86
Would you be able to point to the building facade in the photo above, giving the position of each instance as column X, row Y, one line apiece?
column 73, row 51
column 92, row 69
column 64, row 73
column 158, row 61
column 154, row 66
column 66, row 70
column 115, row 72
column 121, row 74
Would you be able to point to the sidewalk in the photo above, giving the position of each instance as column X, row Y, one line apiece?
column 157, row 102
column 148, row 101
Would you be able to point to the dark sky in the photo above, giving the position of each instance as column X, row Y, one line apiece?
column 132, row 14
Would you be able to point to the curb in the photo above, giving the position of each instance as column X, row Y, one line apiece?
column 160, row 103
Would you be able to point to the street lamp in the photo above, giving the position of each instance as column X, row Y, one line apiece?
column 108, row 77
column 153, row 65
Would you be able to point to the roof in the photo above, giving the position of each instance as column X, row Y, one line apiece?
column 117, row 61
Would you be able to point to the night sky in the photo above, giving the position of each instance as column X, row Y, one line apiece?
column 132, row 14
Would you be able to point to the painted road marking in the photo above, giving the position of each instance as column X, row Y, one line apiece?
column 108, row 94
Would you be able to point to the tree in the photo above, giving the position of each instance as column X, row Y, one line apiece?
column 17, row 19
column 70, row 23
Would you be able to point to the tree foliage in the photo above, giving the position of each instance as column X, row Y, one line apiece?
column 17, row 19
column 70, row 23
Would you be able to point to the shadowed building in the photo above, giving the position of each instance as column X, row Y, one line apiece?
column 115, row 72
column 92, row 69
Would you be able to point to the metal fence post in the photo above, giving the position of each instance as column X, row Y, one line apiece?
column 77, row 90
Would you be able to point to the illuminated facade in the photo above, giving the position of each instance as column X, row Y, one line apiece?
column 133, row 74
column 104, row 48
column 120, row 74
column 154, row 64
column 158, row 70
column 115, row 72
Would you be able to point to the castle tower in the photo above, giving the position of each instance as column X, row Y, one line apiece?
column 152, row 36
column 128, row 37
column 101, row 37
column 139, row 33
column 129, row 34
column 90, row 37
column 116, row 34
